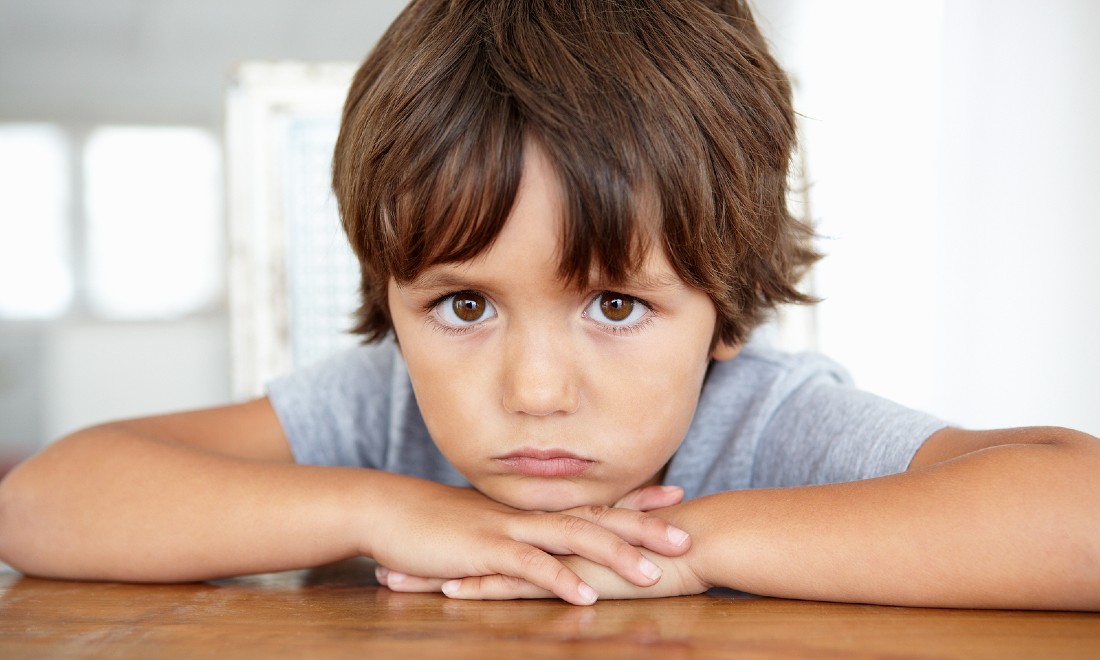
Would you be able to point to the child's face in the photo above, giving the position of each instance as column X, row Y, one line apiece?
column 542, row 396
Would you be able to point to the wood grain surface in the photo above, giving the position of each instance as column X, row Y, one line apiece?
column 339, row 611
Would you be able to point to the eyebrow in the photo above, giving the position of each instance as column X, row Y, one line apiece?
column 434, row 279
column 640, row 280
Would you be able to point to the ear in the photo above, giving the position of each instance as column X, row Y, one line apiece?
column 724, row 351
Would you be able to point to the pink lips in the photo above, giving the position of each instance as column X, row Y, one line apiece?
column 546, row 463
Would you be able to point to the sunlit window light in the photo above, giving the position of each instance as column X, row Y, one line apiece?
column 155, row 240
column 35, row 278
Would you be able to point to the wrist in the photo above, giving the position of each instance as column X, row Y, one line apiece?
column 386, row 502
column 376, row 498
column 692, row 565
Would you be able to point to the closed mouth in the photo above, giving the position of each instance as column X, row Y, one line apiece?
column 546, row 463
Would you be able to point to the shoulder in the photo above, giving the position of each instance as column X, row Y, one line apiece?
column 742, row 397
column 364, row 367
column 771, row 418
column 765, row 376
column 328, row 409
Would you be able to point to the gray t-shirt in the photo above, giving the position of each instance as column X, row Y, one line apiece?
column 765, row 419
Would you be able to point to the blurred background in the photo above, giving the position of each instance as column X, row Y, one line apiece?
column 951, row 152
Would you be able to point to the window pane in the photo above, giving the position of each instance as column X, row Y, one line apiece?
column 35, row 279
column 153, row 199
column 322, row 271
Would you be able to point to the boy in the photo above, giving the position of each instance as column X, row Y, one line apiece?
column 571, row 216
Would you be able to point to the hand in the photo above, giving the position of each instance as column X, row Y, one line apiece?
column 649, row 498
column 458, row 533
column 675, row 579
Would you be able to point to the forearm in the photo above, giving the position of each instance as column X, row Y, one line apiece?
column 1009, row 526
column 123, row 503
column 109, row 504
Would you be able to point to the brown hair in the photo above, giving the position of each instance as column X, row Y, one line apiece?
column 674, row 103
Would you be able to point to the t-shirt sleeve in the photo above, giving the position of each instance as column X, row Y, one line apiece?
column 826, row 431
column 338, row 411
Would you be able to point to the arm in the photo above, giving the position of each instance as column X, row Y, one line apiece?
column 992, row 519
column 213, row 493
column 166, row 499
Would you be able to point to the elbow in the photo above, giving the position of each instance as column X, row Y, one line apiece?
column 1082, row 585
column 20, row 523
column 1080, row 500
column 11, row 530
column 38, row 506
column 1088, row 568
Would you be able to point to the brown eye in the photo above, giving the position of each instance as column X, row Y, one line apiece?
column 616, row 307
column 468, row 307
column 617, row 312
column 465, row 309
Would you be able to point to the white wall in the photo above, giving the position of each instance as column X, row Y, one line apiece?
column 955, row 156
column 95, row 371
column 954, row 150
column 1020, row 200
column 163, row 60
column 83, row 63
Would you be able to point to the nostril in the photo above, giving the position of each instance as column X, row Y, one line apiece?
column 540, row 375
column 540, row 401
column 541, row 394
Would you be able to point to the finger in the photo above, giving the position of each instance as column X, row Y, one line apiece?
column 493, row 587
column 522, row 559
column 412, row 584
column 570, row 533
column 398, row 581
column 529, row 563
column 381, row 574
column 637, row 528
column 651, row 497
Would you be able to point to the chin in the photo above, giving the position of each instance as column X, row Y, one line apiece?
column 539, row 497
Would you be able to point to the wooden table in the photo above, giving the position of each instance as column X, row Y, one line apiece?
column 339, row 611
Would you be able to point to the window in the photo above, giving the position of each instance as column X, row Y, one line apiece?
column 295, row 281
column 154, row 229
column 35, row 273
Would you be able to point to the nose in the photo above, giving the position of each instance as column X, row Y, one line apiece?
column 540, row 374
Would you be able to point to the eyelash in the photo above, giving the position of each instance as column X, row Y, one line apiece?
column 627, row 330
column 454, row 331
column 616, row 330
column 432, row 319
column 623, row 330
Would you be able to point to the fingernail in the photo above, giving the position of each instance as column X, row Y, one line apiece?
column 588, row 594
column 450, row 587
column 670, row 489
column 676, row 535
column 649, row 569
column 380, row 573
column 396, row 577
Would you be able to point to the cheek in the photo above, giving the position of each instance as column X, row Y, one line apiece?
column 651, row 398
column 453, row 396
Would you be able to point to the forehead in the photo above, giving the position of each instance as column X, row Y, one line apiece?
column 506, row 265
column 600, row 228
column 538, row 233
